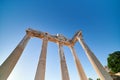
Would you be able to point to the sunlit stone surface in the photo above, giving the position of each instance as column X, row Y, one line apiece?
column 9, row 64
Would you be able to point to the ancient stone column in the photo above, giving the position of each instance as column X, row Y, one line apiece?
column 78, row 64
column 9, row 64
column 94, row 61
column 64, row 70
column 40, row 73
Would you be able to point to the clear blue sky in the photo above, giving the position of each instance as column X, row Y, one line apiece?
column 99, row 21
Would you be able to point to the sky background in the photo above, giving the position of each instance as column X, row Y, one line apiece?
column 99, row 21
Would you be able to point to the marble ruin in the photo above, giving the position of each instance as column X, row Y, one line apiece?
column 9, row 64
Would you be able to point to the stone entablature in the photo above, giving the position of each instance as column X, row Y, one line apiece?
column 9, row 64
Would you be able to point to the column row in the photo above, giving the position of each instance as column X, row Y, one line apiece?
column 8, row 65
column 40, row 73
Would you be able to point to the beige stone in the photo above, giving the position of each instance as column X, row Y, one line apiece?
column 9, row 64
column 94, row 61
column 40, row 73
column 64, row 70
column 78, row 65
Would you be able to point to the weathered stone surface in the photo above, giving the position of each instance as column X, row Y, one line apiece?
column 40, row 73
column 78, row 65
column 94, row 61
column 7, row 67
column 9, row 64
column 64, row 70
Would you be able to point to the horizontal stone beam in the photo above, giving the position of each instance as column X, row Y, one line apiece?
column 53, row 38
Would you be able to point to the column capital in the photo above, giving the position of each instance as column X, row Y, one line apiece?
column 61, row 39
column 71, row 46
column 79, row 35
column 45, row 36
column 29, row 34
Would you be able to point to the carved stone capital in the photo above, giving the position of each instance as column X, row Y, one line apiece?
column 61, row 37
column 79, row 35
column 45, row 36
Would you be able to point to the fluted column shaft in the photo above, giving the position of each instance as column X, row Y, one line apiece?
column 40, row 73
column 9, row 64
column 78, row 64
column 64, row 70
column 94, row 61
